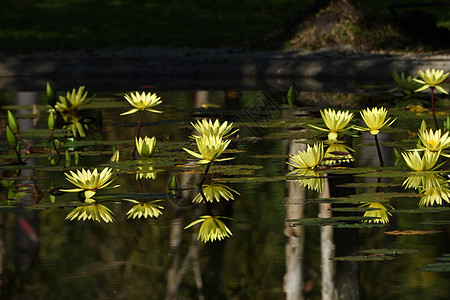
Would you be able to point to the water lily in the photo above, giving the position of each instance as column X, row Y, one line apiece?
column 212, row 229
column 215, row 191
column 94, row 211
column 375, row 119
column 421, row 163
column 207, row 127
column 310, row 158
column 144, row 209
column 335, row 121
column 406, row 84
column 378, row 211
column 89, row 181
column 434, row 140
column 210, row 147
column 431, row 79
column 145, row 146
column 72, row 100
column 142, row 102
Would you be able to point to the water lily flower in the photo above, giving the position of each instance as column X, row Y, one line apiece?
column 375, row 120
column 88, row 181
column 210, row 147
column 72, row 100
column 434, row 140
column 207, row 127
column 144, row 209
column 335, row 121
column 431, row 79
column 337, row 153
column 142, row 102
column 378, row 211
column 211, row 229
column 421, row 163
column 309, row 159
column 215, row 191
column 406, row 84
column 145, row 146
column 94, row 211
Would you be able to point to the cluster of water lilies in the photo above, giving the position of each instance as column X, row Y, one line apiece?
column 211, row 143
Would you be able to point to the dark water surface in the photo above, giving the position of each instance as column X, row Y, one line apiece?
column 44, row 256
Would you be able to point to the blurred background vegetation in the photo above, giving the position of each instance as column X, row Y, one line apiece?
column 29, row 25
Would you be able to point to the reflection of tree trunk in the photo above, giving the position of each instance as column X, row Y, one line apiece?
column 327, row 247
column 294, row 279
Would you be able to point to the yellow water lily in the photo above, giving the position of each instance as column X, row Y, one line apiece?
column 215, row 191
column 406, row 84
column 421, row 163
column 210, row 147
column 207, row 127
column 145, row 146
column 335, row 121
column 337, row 153
column 310, row 158
column 144, row 209
column 431, row 79
column 434, row 140
column 378, row 211
column 72, row 100
column 89, row 181
column 375, row 119
column 94, row 211
column 142, row 102
column 212, row 229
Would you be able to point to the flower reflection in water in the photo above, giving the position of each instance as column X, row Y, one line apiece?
column 215, row 191
column 433, row 186
column 337, row 153
column 94, row 211
column 309, row 179
column 378, row 211
column 211, row 229
column 144, row 209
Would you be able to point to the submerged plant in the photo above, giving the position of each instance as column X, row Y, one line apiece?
column 309, row 159
column 89, row 181
column 336, row 121
column 210, row 148
column 215, row 191
column 144, row 209
column 207, row 127
column 94, row 211
column 432, row 79
column 378, row 211
column 212, row 228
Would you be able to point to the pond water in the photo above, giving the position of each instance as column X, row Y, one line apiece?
column 293, row 237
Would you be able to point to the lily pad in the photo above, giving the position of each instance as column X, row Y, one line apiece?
column 389, row 251
column 411, row 232
column 328, row 221
column 373, row 257
column 436, row 267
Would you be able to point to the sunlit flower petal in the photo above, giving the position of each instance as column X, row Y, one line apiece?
column 421, row 163
column 210, row 147
column 72, row 100
column 434, row 140
column 207, row 127
column 375, row 120
column 145, row 146
column 335, row 121
column 142, row 102
column 310, row 158
column 89, row 181
column 431, row 79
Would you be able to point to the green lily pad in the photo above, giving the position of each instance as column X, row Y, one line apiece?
column 367, row 184
column 436, row 222
column 389, row 251
column 250, row 179
column 436, row 267
column 422, row 210
column 373, row 257
column 328, row 221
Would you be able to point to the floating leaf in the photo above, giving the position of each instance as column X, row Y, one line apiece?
column 411, row 232
column 436, row 267
column 373, row 257
column 367, row 184
column 389, row 251
column 421, row 210
column 327, row 221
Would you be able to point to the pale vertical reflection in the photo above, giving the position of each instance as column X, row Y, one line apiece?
column 177, row 267
column 295, row 205
column 326, row 246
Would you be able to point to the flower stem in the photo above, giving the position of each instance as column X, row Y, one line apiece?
column 432, row 108
column 53, row 142
column 380, row 157
column 137, row 133
column 200, row 189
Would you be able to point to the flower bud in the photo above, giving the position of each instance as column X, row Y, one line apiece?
column 12, row 123
column 51, row 96
column 51, row 120
column 11, row 137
